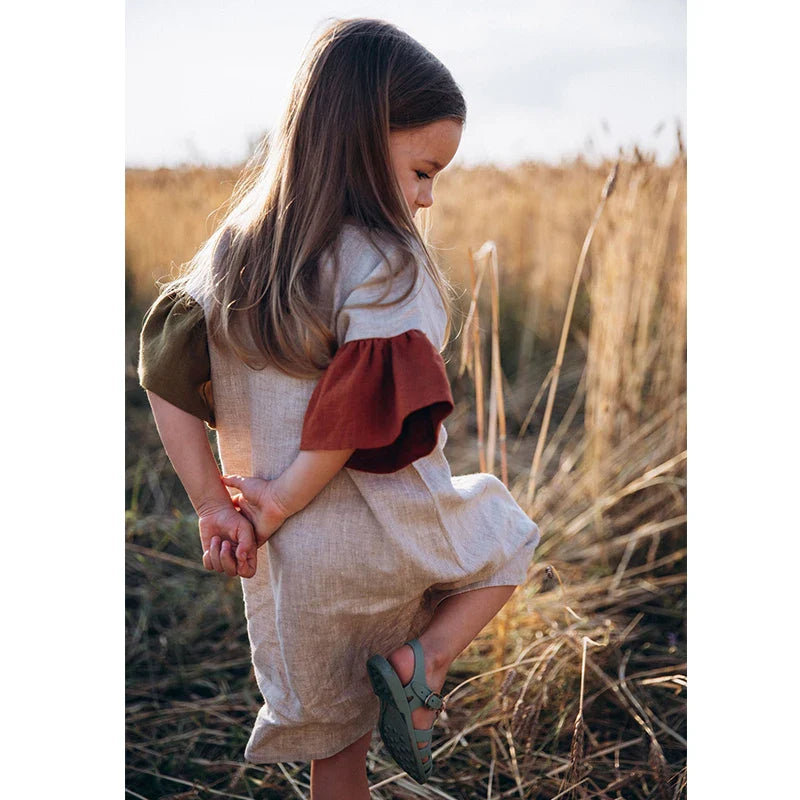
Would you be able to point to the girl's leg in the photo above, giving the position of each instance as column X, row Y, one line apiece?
column 455, row 623
column 344, row 775
column 458, row 619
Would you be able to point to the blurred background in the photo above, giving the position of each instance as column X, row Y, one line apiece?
column 543, row 80
column 579, row 686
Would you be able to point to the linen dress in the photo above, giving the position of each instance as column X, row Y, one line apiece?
column 362, row 567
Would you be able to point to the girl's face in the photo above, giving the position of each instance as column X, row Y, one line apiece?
column 419, row 154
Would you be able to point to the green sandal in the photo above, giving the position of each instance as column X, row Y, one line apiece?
column 397, row 702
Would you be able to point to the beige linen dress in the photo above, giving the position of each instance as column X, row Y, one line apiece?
column 360, row 569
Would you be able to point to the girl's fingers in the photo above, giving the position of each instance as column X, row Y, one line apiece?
column 213, row 553
column 243, row 550
column 207, row 560
column 247, row 509
column 244, row 485
column 226, row 559
column 246, row 546
column 248, row 569
column 237, row 481
column 245, row 560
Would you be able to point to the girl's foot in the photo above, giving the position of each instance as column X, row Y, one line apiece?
column 402, row 661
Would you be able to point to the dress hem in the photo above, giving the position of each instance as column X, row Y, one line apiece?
column 484, row 584
column 288, row 756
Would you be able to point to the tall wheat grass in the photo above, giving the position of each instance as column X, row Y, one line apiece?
column 578, row 689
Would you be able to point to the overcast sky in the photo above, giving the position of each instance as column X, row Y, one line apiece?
column 542, row 80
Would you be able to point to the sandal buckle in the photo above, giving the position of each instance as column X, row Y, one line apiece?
column 435, row 701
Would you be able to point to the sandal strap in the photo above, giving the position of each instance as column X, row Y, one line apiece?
column 423, row 735
column 425, row 696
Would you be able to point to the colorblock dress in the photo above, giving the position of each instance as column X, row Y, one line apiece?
column 360, row 569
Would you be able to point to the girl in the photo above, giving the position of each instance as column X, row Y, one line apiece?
column 307, row 331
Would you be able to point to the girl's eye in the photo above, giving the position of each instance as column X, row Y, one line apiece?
column 423, row 175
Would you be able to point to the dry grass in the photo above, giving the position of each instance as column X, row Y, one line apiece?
column 579, row 688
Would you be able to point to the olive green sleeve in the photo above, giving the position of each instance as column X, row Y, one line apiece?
column 173, row 355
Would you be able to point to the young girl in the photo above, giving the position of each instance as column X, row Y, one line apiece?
column 307, row 331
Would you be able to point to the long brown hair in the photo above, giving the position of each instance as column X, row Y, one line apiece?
column 328, row 162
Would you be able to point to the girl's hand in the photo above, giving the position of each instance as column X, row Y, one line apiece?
column 260, row 503
column 228, row 540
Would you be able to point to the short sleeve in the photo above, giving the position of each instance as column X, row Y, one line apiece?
column 173, row 355
column 420, row 307
column 386, row 391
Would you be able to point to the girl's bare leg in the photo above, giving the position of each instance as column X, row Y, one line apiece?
column 344, row 775
column 458, row 619
column 455, row 623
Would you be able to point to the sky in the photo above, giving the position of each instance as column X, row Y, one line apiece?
column 542, row 80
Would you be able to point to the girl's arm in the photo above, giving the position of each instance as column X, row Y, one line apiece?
column 267, row 504
column 307, row 476
column 222, row 528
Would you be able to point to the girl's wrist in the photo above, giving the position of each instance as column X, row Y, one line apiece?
column 282, row 497
column 212, row 507
column 213, row 500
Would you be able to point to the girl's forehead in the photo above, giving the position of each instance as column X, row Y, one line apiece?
column 437, row 142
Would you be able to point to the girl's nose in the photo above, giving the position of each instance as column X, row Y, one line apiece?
column 425, row 198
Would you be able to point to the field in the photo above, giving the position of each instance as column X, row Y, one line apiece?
column 578, row 688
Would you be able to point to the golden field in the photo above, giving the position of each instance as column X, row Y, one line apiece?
column 578, row 689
